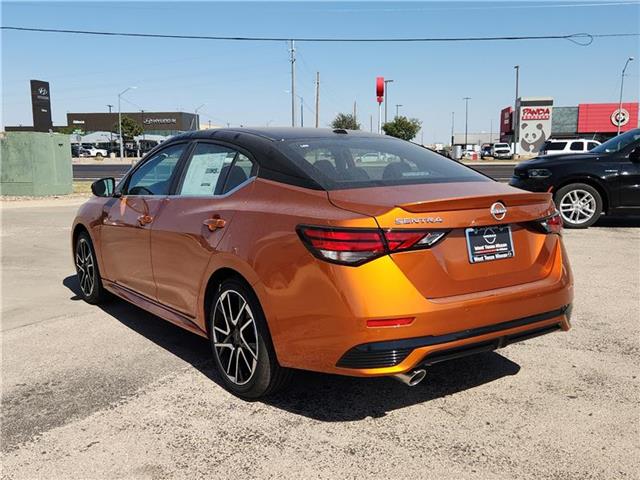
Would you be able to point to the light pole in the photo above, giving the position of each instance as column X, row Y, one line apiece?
column 466, row 119
column 120, row 119
column 619, row 116
column 386, row 96
column 515, row 126
column 109, row 106
column 398, row 105
column 195, row 111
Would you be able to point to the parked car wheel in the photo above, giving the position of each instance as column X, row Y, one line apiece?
column 241, row 344
column 579, row 204
column 99, row 156
column 87, row 271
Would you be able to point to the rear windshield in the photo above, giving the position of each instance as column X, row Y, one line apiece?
column 348, row 162
column 501, row 145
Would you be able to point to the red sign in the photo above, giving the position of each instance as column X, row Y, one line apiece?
column 605, row 117
column 505, row 121
column 536, row 113
column 380, row 88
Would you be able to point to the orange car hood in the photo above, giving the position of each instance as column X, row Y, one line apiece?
column 432, row 197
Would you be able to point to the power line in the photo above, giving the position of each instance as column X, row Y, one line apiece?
column 582, row 39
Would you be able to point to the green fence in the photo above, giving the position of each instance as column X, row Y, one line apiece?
column 34, row 163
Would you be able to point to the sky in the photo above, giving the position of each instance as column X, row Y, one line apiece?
column 246, row 83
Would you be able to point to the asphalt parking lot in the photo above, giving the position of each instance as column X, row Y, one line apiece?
column 114, row 392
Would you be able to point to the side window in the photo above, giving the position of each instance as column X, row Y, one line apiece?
column 591, row 145
column 577, row 146
column 212, row 170
column 154, row 176
column 240, row 172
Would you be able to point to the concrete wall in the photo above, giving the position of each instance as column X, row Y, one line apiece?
column 33, row 163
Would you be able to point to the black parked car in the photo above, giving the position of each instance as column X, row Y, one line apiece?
column 604, row 180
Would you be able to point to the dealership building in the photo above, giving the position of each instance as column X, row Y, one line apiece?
column 537, row 119
column 158, row 123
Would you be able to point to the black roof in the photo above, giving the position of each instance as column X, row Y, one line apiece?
column 275, row 133
column 267, row 147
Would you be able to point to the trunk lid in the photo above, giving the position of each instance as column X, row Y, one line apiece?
column 445, row 269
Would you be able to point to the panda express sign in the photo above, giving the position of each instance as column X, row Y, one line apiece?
column 534, row 123
column 539, row 113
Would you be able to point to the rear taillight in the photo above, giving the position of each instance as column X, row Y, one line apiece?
column 354, row 246
column 550, row 224
column 398, row 240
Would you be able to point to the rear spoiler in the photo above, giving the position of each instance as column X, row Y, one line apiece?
column 465, row 203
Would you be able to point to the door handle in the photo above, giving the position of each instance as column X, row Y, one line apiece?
column 145, row 220
column 214, row 223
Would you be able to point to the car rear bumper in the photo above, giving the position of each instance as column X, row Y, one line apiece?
column 322, row 326
column 438, row 348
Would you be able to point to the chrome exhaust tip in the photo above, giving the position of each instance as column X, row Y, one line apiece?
column 411, row 378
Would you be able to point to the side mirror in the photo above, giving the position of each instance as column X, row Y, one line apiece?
column 634, row 156
column 104, row 187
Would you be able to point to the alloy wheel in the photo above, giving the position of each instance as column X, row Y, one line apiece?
column 85, row 267
column 577, row 206
column 235, row 337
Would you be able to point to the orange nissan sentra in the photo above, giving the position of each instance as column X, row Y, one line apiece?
column 326, row 250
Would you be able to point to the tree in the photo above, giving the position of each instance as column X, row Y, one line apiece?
column 345, row 121
column 130, row 128
column 70, row 130
column 403, row 127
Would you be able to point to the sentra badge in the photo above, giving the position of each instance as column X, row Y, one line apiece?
column 407, row 221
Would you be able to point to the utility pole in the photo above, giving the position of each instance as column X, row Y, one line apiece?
column 355, row 114
column 453, row 117
column 491, row 132
column 515, row 122
column 466, row 119
column 398, row 105
column 371, row 123
column 386, row 97
column 619, row 116
column 142, row 123
column 317, row 99
column 301, row 112
column 293, row 83
column 142, row 115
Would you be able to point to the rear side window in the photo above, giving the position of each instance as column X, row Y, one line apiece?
column 214, row 170
column 577, row 146
column 555, row 146
column 350, row 162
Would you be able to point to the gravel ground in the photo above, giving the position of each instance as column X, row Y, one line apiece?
column 114, row 392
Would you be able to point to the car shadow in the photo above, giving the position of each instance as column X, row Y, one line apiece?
column 323, row 397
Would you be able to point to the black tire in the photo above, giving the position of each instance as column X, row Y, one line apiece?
column 573, row 218
column 89, row 281
column 267, row 376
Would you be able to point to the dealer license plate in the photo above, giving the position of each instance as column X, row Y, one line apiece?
column 489, row 243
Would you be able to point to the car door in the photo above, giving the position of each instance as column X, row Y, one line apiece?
column 629, row 177
column 127, row 220
column 215, row 183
